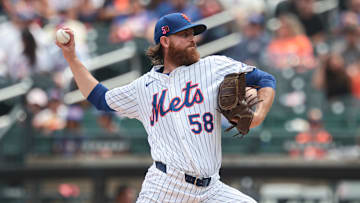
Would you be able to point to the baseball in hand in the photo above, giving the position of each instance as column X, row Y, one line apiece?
column 62, row 36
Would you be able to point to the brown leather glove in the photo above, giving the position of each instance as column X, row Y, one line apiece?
column 233, row 103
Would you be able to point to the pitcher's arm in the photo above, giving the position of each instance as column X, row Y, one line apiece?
column 89, row 87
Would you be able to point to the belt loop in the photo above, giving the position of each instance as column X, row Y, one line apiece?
column 161, row 166
column 196, row 180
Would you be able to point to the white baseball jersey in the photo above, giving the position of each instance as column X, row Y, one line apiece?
column 178, row 111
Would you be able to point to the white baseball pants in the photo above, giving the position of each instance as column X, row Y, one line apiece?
column 171, row 187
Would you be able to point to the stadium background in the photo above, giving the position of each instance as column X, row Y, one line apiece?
column 55, row 147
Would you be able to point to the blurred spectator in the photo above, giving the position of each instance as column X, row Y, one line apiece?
column 304, row 10
column 290, row 47
column 121, row 5
column 28, row 47
column 68, row 142
column 332, row 77
column 208, row 8
column 6, row 8
column 354, row 7
column 253, row 41
column 125, row 194
column 354, row 73
column 23, row 42
column 63, row 8
column 163, row 7
column 53, row 117
column 134, row 25
column 44, row 9
column 74, row 118
column 88, row 10
column 160, row 8
column 186, row 7
column 27, row 58
column 105, row 120
column 36, row 100
column 314, row 142
column 349, row 44
column 26, row 43
column 114, row 8
column 37, row 10
column 346, row 17
column 26, row 10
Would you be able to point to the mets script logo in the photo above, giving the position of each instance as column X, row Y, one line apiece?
column 193, row 96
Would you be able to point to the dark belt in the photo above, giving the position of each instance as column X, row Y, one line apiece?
column 204, row 182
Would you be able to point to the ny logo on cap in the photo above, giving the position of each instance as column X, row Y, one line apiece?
column 165, row 29
column 186, row 18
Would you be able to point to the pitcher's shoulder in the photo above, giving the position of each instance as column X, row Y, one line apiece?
column 218, row 59
column 213, row 57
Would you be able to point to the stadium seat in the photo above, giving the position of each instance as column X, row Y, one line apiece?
column 13, row 145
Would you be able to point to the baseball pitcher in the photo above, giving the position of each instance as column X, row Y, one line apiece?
column 180, row 102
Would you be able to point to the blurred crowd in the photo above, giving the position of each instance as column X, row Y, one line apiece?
column 28, row 51
column 287, row 38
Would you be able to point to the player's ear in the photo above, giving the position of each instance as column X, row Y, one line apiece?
column 164, row 41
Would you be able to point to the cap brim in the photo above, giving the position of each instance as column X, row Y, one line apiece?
column 198, row 28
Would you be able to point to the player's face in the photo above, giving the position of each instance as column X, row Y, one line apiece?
column 182, row 48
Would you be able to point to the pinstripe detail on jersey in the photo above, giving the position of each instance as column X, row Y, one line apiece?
column 171, row 187
column 171, row 138
column 228, row 194
column 123, row 100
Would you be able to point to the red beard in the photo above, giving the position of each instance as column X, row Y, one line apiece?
column 186, row 56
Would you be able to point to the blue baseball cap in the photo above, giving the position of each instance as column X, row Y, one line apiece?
column 174, row 23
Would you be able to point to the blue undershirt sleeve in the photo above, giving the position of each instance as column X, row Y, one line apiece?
column 260, row 78
column 97, row 98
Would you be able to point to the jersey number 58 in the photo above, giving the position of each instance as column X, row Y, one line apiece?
column 206, row 122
